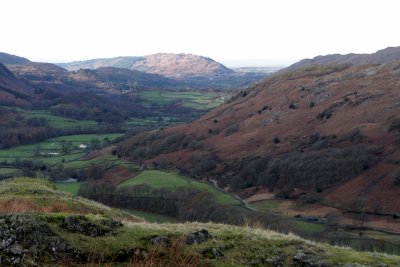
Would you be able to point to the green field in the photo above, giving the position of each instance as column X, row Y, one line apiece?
column 71, row 188
column 58, row 122
column 152, row 217
column 61, row 122
column 309, row 227
column 193, row 99
column 266, row 205
column 53, row 145
column 160, row 179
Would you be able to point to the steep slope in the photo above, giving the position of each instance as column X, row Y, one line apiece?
column 12, row 59
column 68, row 231
column 316, row 130
column 13, row 90
column 382, row 56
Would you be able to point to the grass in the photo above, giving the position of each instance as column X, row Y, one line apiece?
column 152, row 217
column 57, row 122
column 309, row 227
column 62, row 122
column 161, row 179
column 7, row 171
column 37, row 195
column 266, row 205
column 72, row 188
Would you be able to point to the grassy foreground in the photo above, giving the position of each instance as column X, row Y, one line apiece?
column 134, row 243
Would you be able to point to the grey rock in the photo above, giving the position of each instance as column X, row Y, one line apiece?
column 212, row 253
column 81, row 224
column 198, row 237
column 308, row 259
column 16, row 249
column 160, row 241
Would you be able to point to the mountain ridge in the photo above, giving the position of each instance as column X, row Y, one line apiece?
column 381, row 56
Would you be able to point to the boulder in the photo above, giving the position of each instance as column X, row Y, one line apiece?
column 198, row 237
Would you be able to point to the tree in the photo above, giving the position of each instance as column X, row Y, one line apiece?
column 332, row 221
column 95, row 144
column 36, row 152
column 66, row 147
column 357, row 207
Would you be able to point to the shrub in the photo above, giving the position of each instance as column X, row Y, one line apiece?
column 292, row 106
column 396, row 180
column 276, row 140
column 232, row 129
column 326, row 114
column 394, row 124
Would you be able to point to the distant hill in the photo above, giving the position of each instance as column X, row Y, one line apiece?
column 191, row 71
column 382, row 56
column 166, row 64
column 11, row 59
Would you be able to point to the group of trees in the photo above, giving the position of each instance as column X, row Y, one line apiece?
column 147, row 145
column 184, row 204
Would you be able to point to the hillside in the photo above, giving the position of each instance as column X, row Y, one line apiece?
column 70, row 231
column 320, row 134
column 382, row 56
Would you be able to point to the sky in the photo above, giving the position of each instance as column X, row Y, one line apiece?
column 234, row 32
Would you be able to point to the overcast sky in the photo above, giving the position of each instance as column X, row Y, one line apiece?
column 235, row 32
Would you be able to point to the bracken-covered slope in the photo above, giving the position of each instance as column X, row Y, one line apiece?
column 382, row 56
column 333, row 131
column 40, row 226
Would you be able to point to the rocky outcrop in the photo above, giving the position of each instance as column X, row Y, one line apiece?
column 23, row 238
column 81, row 224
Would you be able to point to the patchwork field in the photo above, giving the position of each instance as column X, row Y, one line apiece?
column 57, row 122
column 193, row 99
column 161, row 179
